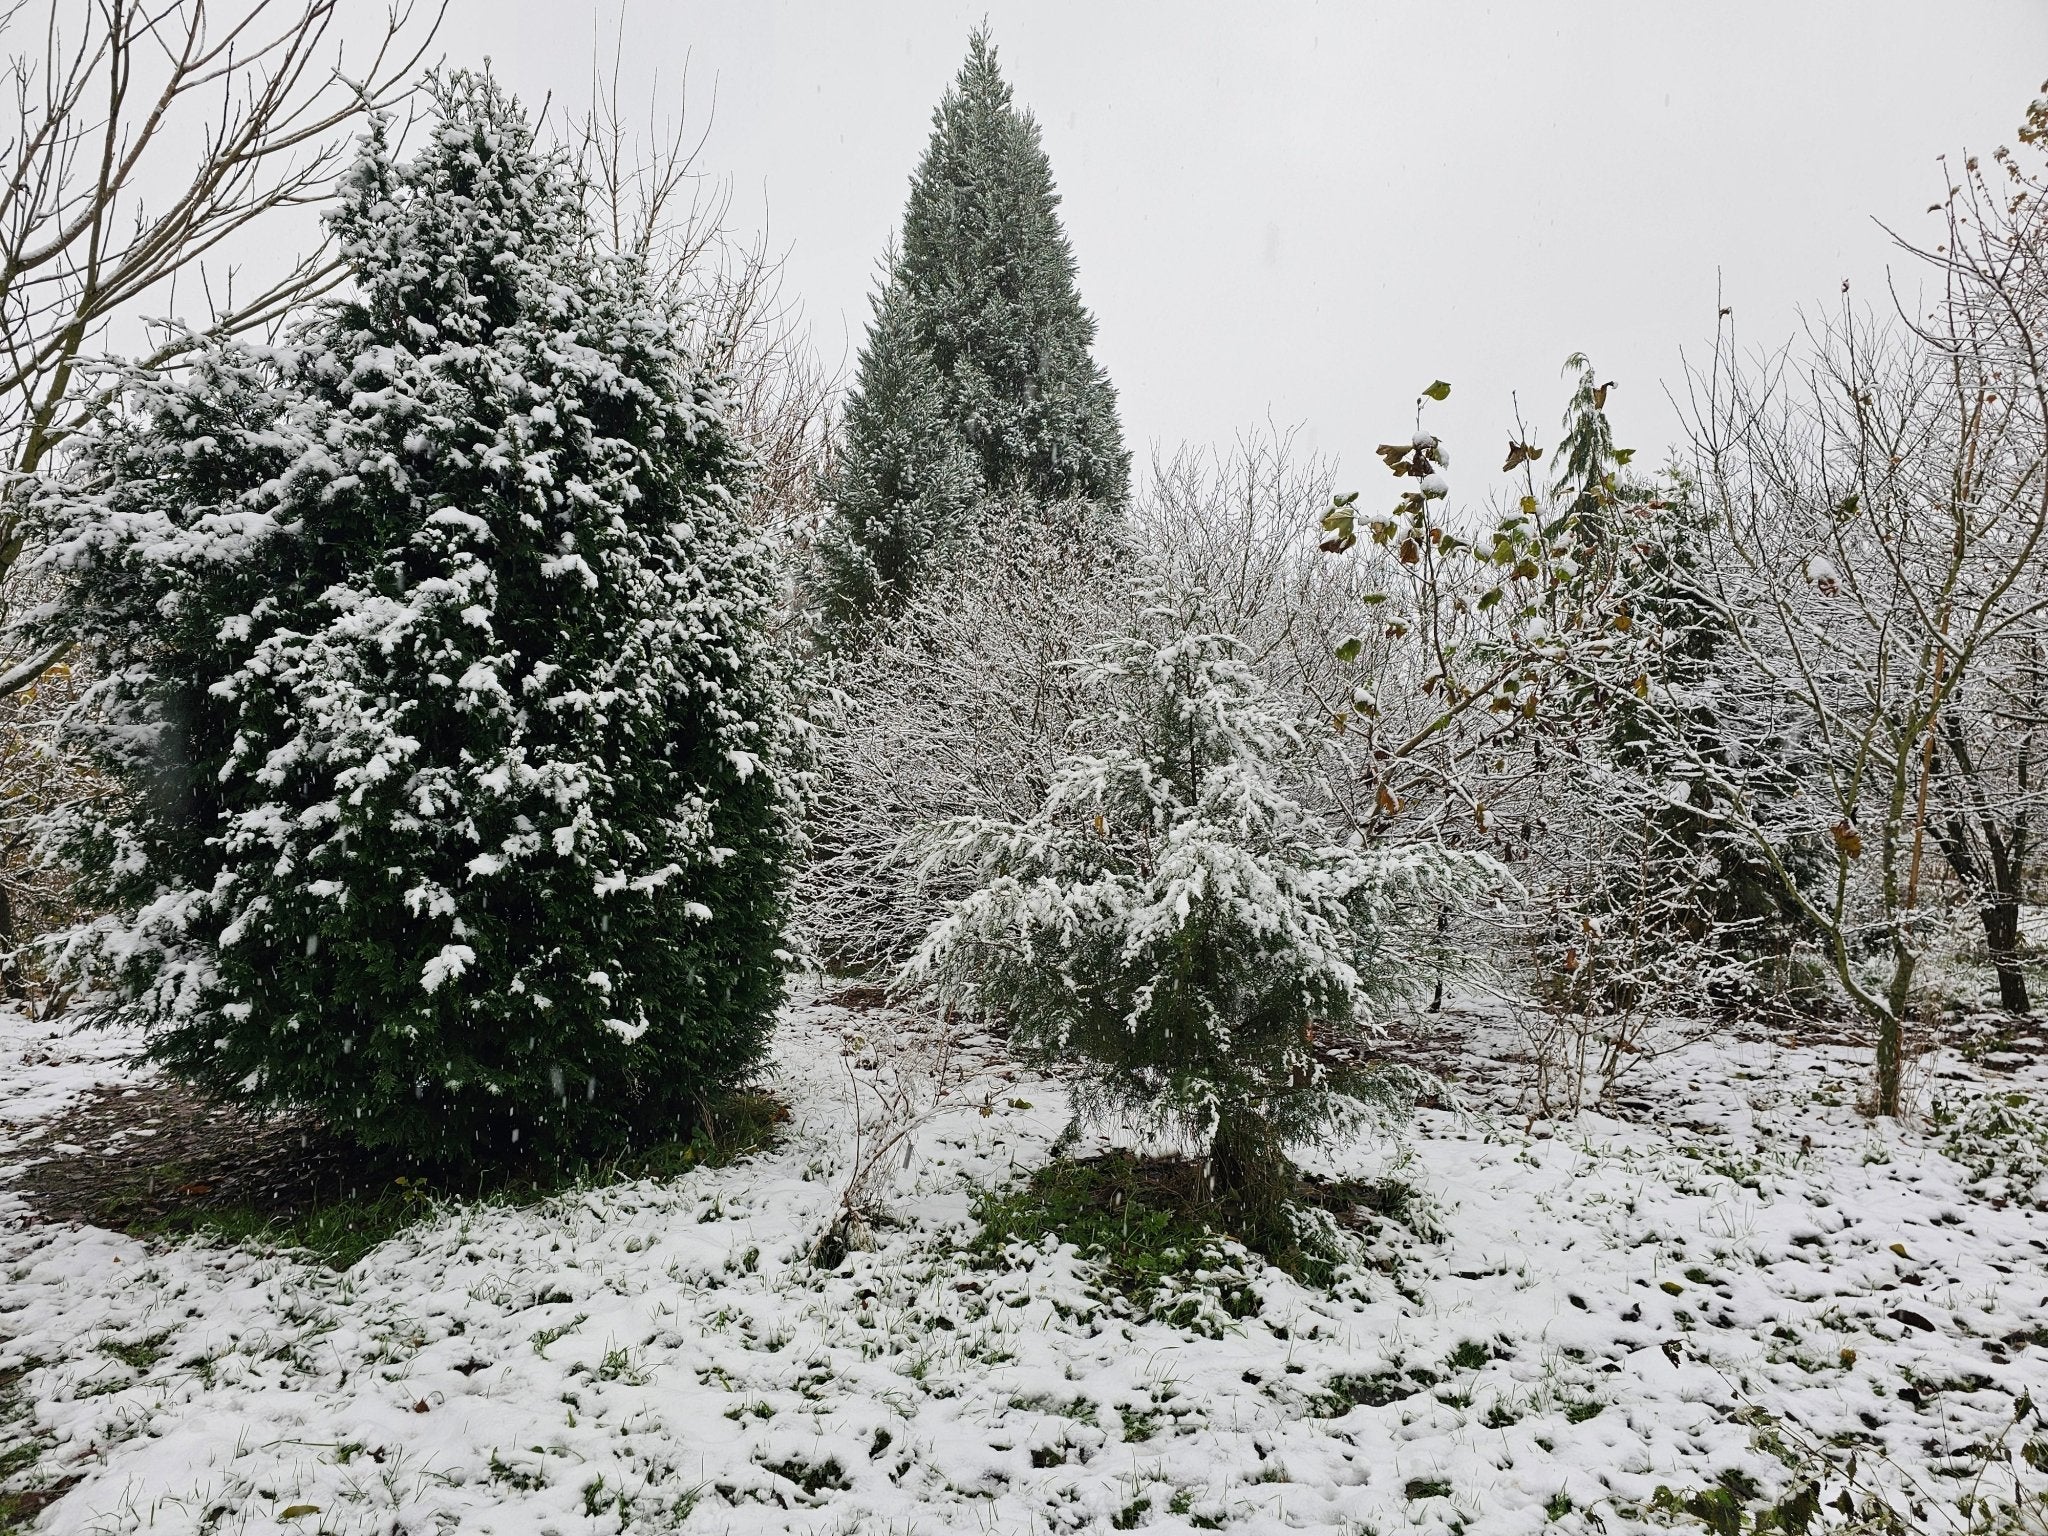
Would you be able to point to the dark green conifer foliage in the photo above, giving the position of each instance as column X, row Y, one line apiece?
column 1701, row 877
column 430, row 655
column 977, row 380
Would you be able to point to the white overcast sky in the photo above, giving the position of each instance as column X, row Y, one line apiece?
column 1308, row 211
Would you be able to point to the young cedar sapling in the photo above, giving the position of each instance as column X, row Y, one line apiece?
column 1178, row 923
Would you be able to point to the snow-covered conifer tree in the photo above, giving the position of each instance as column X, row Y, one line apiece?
column 977, row 378
column 904, row 496
column 1176, row 920
column 430, row 651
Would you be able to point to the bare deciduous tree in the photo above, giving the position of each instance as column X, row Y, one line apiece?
column 148, row 137
column 651, row 201
column 1879, row 571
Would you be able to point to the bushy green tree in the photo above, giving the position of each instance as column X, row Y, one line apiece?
column 430, row 652
column 977, row 379
column 1179, row 925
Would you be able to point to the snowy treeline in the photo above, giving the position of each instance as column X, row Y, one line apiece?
column 1752, row 730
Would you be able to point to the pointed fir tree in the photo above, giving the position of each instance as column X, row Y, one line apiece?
column 977, row 380
column 431, row 662
column 906, row 491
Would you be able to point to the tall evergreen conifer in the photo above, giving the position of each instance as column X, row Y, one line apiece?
column 977, row 379
column 430, row 656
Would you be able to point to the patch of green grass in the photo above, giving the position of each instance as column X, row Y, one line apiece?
column 1500, row 1413
column 338, row 1232
column 543, row 1337
column 524, row 1479
column 1139, row 1425
column 340, row 1229
column 18, row 1510
column 2001, row 1139
column 18, row 1457
column 1377, row 1390
column 1154, row 1230
column 1427, row 1488
column 1080, row 1409
column 1140, row 1232
column 814, row 1478
column 137, row 1354
column 1470, row 1355
column 618, row 1365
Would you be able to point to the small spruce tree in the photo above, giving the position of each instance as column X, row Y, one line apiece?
column 430, row 653
column 977, row 379
column 1178, row 922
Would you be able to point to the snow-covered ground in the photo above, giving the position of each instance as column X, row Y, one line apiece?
column 47, row 1065
column 1751, row 1277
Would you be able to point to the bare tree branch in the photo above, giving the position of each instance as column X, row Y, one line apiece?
column 149, row 136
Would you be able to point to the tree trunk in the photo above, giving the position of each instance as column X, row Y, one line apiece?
column 1891, row 1057
column 2002, row 938
column 1249, row 1177
column 1891, row 1031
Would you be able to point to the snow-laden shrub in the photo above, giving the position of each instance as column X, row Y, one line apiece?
column 1173, row 921
column 430, row 652
column 962, row 705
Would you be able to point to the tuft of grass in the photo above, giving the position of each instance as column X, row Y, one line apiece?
column 1470, row 1355
column 814, row 1478
column 523, row 1479
column 137, row 1354
column 1500, row 1413
column 1378, row 1390
column 1127, row 1518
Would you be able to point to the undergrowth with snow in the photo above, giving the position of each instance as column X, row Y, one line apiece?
column 1696, row 1319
